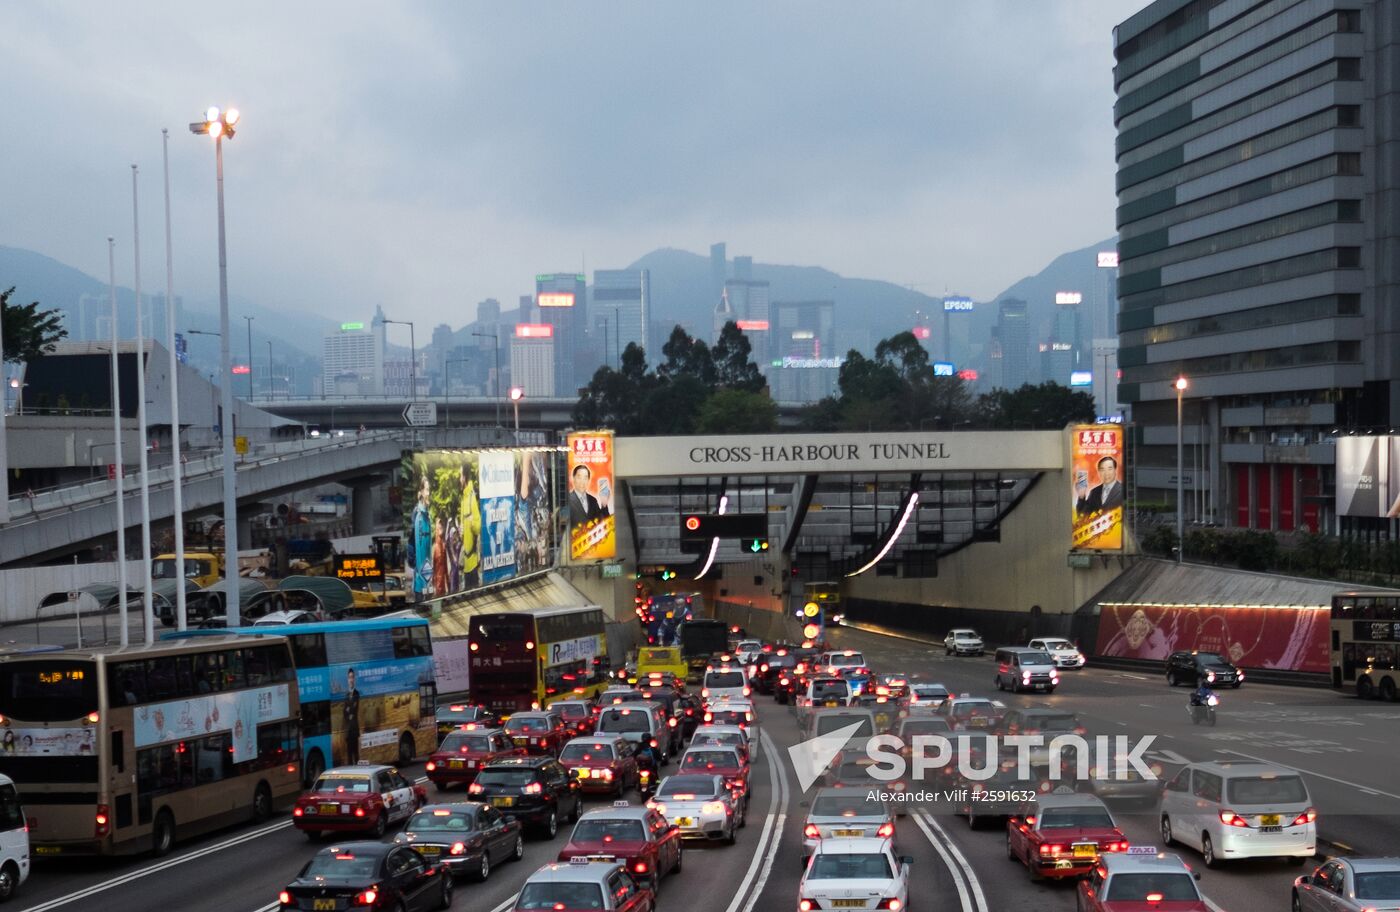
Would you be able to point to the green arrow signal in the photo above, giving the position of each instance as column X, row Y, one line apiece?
column 756, row 546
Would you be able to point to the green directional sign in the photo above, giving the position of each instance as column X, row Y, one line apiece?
column 754, row 545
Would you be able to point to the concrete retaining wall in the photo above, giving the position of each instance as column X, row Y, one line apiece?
column 25, row 587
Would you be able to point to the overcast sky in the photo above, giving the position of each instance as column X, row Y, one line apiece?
column 425, row 156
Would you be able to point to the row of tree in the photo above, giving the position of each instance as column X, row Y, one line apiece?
column 719, row 390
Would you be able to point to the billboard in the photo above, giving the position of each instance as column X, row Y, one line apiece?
column 1081, row 378
column 943, row 369
column 957, row 304
column 1108, row 259
column 474, row 517
column 534, row 330
column 1364, row 483
column 1096, row 452
column 1288, row 637
column 1069, row 297
column 555, row 299
column 592, row 525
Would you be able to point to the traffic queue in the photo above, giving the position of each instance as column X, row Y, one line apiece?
column 525, row 777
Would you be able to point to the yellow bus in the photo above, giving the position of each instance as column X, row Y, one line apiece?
column 532, row 658
column 1365, row 640
column 119, row 750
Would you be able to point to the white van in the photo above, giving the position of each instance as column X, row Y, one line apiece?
column 14, row 840
column 1228, row 809
column 725, row 682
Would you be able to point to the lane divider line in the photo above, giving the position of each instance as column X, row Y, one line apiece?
column 156, row 868
column 763, row 839
column 777, row 830
column 973, row 883
column 964, row 898
column 1354, row 785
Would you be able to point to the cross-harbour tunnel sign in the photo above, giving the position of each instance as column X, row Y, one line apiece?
column 778, row 454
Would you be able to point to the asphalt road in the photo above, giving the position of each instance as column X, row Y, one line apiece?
column 1343, row 746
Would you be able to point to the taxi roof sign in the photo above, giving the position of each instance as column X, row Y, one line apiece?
column 621, row 804
column 1142, row 850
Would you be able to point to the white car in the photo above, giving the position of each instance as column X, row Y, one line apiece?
column 837, row 662
column 724, row 681
column 963, row 641
column 702, row 807
column 855, row 874
column 739, row 713
column 725, row 735
column 283, row 618
column 1064, row 653
column 1228, row 809
column 927, row 695
column 748, row 651
column 838, row 814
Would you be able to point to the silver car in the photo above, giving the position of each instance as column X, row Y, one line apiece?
column 843, row 813
column 1349, row 885
column 700, row 806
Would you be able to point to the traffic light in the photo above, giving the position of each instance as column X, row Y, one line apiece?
column 667, row 574
column 811, row 631
column 753, row 545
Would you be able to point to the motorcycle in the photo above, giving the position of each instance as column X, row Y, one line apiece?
column 1203, row 711
column 647, row 777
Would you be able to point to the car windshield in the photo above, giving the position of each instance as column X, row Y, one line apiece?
column 1267, row 790
column 851, row 805
column 849, row 867
column 854, row 770
column 609, row 831
column 830, row 689
column 1035, row 658
column 512, row 778
column 587, row 750
column 1378, row 885
column 528, row 724
column 1075, row 818
column 440, row 819
column 560, row 896
column 466, row 743
column 828, row 724
column 459, row 714
column 750, row 646
column 924, row 727
column 1058, row 644
column 342, row 783
column 342, row 865
column 1211, row 658
column 623, row 720
column 730, row 716
column 699, row 786
column 1170, row 887
column 851, row 659
column 1047, row 722
column 964, row 635
column 723, row 679
column 930, row 691
column 728, row 739
column 571, row 710
column 708, row 759
column 968, row 708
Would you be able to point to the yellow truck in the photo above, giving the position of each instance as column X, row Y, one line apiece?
column 661, row 658
column 203, row 567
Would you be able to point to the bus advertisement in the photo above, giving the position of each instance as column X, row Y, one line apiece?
column 521, row 660
column 367, row 690
column 118, row 749
column 1365, row 643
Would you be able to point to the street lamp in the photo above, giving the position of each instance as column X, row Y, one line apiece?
column 250, row 357
column 1180, row 388
column 447, row 386
column 495, row 341
column 516, row 394
column 219, row 124
column 412, row 358
column 271, row 389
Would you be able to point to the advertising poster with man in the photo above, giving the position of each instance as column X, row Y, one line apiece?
column 497, row 473
column 1097, row 496
column 592, row 525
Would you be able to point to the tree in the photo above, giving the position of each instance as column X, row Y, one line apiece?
column 734, row 368
column 688, row 356
column 29, row 332
column 737, row 411
column 1048, row 406
column 672, row 407
column 614, row 398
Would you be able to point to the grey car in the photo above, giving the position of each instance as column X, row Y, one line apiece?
column 844, row 813
column 1349, row 885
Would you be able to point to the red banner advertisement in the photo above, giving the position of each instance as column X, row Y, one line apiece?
column 1289, row 639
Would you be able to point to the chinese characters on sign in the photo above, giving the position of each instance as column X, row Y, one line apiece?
column 358, row 567
column 592, row 525
column 1096, row 479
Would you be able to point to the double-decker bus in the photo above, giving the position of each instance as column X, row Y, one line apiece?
column 387, row 663
column 1365, row 643
column 519, row 660
column 123, row 749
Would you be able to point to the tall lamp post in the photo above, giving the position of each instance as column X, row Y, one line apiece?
column 117, row 474
column 176, row 488
column 516, row 394
column 1180, row 516
column 412, row 359
column 249, row 321
column 447, row 386
column 219, row 124
column 496, row 342
column 271, row 387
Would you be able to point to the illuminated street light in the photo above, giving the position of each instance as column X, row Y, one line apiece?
column 1180, row 525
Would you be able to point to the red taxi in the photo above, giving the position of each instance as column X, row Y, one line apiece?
column 584, row 885
column 368, row 797
column 538, row 732
column 1143, row 880
column 1063, row 835
column 719, row 761
column 464, row 752
column 639, row 837
column 603, row 763
column 579, row 715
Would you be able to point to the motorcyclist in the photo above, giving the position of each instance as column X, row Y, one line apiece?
column 648, row 764
column 1202, row 694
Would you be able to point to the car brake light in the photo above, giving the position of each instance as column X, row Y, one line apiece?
column 1307, row 816
column 671, row 721
column 652, row 742
column 805, row 905
column 811, row 831
column 1053, row 849
column 367, row 898
column 476, row 788
column 459, row 848
column 1120, row 846
column 886, row 829
column 640, row 867
column 431, row 766
column 359, row 812
column 713, row 807
column 747, row 691
column 284, row 898
column 1230, row 818
column 704, row 691
column 534, row 788
column 893, row 904
column 296, row 812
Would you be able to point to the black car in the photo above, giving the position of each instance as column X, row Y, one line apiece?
column 1192, row 667
column 465, row 838
column 770, row 668
column 537, row 791
column 1040, row 721
column 456, row 715
column 369, row 875
column 692, row 711
column 675, row 710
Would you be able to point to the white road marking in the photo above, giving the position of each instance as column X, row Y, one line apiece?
column 1345, row 782
column 763, row 839
column 1136, row 677
column 511, row 901
column 777, row 831
column 973, row 900
column 156, row 868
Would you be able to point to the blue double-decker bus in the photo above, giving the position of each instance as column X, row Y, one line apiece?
column 367, row 689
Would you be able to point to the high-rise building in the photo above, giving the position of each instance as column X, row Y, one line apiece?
column 352, row 361
column 1104, row 367
column 743, row 268
column 562, row 302
column 750, row 302
column 621, row 309
column 1012, row 335
column 803, row 363
column 1256, row 211
column 719, row 269
column 532, row 361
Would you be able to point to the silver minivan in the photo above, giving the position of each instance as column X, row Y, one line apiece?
column 1020, row 668
column 14, row 840
column 1230, row 809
